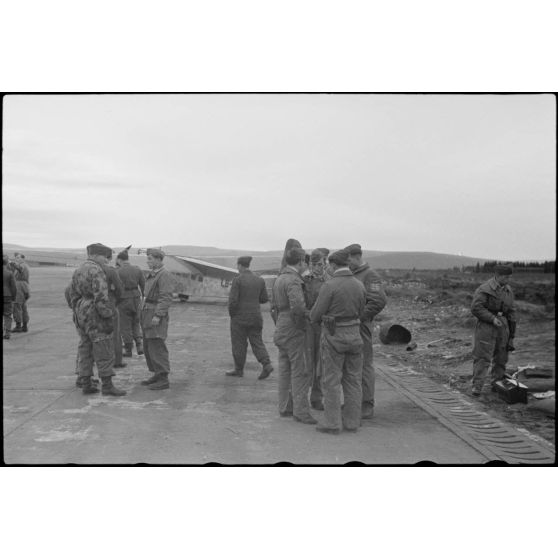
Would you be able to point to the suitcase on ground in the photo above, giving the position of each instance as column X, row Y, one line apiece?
column 511, row 390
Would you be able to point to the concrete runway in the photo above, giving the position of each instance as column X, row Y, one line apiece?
column 204, row 417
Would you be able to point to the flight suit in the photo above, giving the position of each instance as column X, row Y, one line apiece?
column 159, row 286
column 293, row 376
column 342, row 300
column 247, row 292
column 490, row 342
column 375, row 303
column 313, row 284
column 133, row 282
column 93, row 317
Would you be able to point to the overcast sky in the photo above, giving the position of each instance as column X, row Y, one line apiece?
column 458, row 174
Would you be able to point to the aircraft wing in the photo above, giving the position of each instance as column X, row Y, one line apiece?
column 209, row 269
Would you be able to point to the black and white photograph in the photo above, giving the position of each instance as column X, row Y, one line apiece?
column 260, row 279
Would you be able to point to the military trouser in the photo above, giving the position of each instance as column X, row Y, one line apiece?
column 490, row 346
column 21, row 316
column 156, row 355
column 130, row 311
column 313, row 361
column 244, row 328
column 98, row 351
column 116, row 338
column 368, row 372
column 293, row 377
column 342, row 370
column 8, row 311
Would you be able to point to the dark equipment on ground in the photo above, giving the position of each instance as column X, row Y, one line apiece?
column 394, row 334
column 511, row 390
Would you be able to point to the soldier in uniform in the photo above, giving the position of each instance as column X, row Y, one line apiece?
column 21, row 272
column 290, row 308
column 493, row 306
column 93, row 318
column 159, row 287
column 313, row 282
column 115, row 296
column 9, row 295
column 339, row 305
column 375, row 303
column 248, row 291
column 133, row 282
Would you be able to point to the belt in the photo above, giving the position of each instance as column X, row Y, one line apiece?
column 342, row 322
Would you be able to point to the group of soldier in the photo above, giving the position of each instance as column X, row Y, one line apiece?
column 323, row 305
column 114, row 307
column 16, row 293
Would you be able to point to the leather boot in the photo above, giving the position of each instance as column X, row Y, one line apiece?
column 236, row 373
column 17, row 328
column 24, row 328
column 139, row 347
column 87, row 387
column 109, row 388
column 149, row 381
column 127, row 350
column 120, row 365
column 161, row 383
column 267, row 370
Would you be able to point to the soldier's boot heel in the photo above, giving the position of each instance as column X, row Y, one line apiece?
column 267, row 370
column 161, row 383
column 87, row 387
column 17, row 328
column 127, row 350
column 149, row 381
column 139, row 347
column 110, row 389
column 24, row 328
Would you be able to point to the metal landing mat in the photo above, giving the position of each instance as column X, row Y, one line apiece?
column 491, row 437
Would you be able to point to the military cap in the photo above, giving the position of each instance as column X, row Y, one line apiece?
column 294, row 256
column 317, row 255
column 99, row 249
column 123, row 255
column 244, row 261
column 324, row 251
column 503, row 269
column 156, row 253
column 341, row 257
column 353, row 249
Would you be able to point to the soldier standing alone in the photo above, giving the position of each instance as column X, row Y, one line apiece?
column 133, row 283
column 248, row 291
column 375, row 303
column 155, row 320
column 493, row 306
column 93, row 318
column 339, row 305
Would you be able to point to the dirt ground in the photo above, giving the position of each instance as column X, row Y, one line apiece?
column 442, row 327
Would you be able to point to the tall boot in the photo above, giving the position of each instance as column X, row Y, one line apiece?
column 127, row 350
column 139, row 346
column 109, row 388
column 87, row 386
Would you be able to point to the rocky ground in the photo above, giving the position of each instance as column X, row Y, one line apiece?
column 442, row 328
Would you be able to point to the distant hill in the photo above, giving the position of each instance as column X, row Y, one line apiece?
column 262, row 260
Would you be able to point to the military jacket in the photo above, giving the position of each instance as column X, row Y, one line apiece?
column 490, row 299
column 342, row 297
column 89, row 298
column 9, row 283
column 312, row 284
column 375, row 297
column 133, row 280
column 288, row 299
column 159, row 286
column 114, row 284
column 248, row 291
